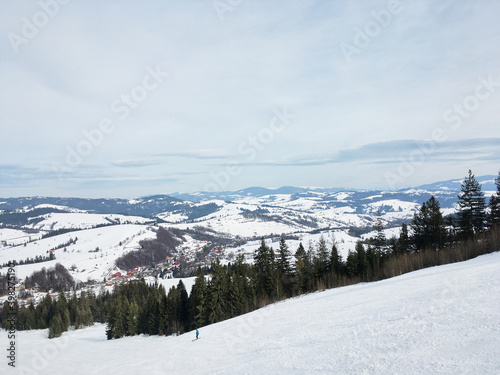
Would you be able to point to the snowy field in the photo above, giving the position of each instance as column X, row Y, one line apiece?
column 442, row 320
column 112, row 241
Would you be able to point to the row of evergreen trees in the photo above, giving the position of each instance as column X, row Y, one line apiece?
column 56, row 314
column 431, row 230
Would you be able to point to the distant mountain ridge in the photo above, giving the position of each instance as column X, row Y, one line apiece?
column 295, row 205
column 487, row 182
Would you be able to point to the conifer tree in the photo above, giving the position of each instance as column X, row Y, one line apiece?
column 217, row 292
column 285, row 268
column 183, row 306
column 283, row 259
column 66, row 320
column 403, row 241
column 363, row 264
column 132, row 316
column 154, row 312
column 494, row 219
column 197, row 300
column 471, row 202
column 304, row 269
column 323, row 259
column 265, row 269
column 336, row 262
column 380, row 241
column 428, row 226
column 352, row 263
column 56, row 328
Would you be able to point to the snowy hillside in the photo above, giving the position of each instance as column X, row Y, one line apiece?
column 441, row 320
column 81, row 256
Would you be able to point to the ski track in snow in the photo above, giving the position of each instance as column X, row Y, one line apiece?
column 441, row 320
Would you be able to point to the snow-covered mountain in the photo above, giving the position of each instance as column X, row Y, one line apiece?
column 440, row 320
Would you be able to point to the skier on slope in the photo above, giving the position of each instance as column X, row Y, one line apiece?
column 197, row 333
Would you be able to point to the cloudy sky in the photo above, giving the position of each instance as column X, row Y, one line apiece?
column 125, row 98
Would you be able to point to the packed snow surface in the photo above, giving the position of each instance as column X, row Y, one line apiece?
column 441, row 320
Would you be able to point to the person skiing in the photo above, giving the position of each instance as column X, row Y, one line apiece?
column 197, row 333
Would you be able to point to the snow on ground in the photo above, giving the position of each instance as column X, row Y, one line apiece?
column 16, row 237
column 441, row 320
column 55, row 221
column 112, row 241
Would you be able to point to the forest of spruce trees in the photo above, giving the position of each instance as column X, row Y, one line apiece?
column 137, row 308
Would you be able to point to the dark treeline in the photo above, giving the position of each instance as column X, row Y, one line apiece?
column 36, row 259
column 59, row 315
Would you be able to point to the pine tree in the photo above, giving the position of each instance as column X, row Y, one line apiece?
column 323, row 264
column 494, row 219
column 403, row 242
column 173, row 313
column 380, row 241
column 132, row 316
column 336, row 263
column 197, row 300
column 266, row 271
column 428, row 226
column 303, row 270
column 285, row 268
column 183, row 306
column 56, row 327
column 471, row 202
column 352, row 263
column 283, row 259
column 66, row 320
column 363, row 264
column 217, row 292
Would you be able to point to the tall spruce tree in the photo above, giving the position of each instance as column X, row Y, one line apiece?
column 323, row 259
column 284, row 267
column 494, row 205
column 283, row 259
column 336, row 262
column 363, row 264
column 266, row 270
column 197, row 300
column 403, row 242
column 380, row 240
column 217, row 292
column 428, row 226
column 471, row 203
column 56, row 327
